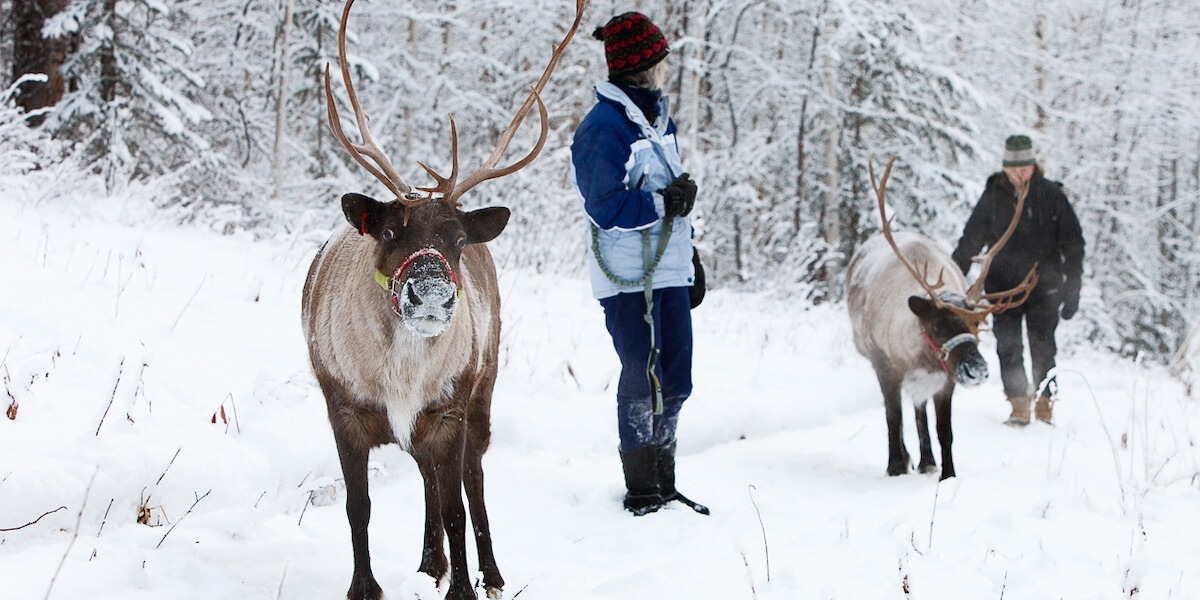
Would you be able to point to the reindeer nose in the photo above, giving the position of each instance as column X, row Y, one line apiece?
column 431, row 293
column 411, row 294
column 971, row 371
column 428, row 304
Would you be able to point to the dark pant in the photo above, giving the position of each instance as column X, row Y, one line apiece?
column 1040, row 315
column 624, row 315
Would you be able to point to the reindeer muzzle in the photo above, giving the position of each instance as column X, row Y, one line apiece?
column 426, row 299
column 971, row 369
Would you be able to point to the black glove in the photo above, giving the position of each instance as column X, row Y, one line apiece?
column 1070, row 302
column 696, row 292
column 679, row 196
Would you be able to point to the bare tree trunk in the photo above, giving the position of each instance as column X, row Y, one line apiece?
column 109, row 80
column 1039, row 33
column 737, row 246
column 690, row 74
column 109, row 76
column 319, row 152
column 802, row 132
column 281, row 99
column 34, row 53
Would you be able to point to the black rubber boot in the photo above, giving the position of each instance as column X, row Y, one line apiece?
column 641, row 480
column 666, row 479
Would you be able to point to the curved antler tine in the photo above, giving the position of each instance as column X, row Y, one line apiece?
column 382, row 169
column 335, row 124
column 941, row 280
column 975, row 292
column 1002, row 301
column 922, row 277
column 483, row 174
column 445, row 185
column 881, row 186
column 486, row 171
column 974, row 320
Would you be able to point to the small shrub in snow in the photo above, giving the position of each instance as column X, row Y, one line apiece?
column 22, row 148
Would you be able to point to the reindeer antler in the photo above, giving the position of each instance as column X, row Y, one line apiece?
column 448, row 187
column 1014, row 297
column 979, row 304
column 382, row 168
column 880, row 192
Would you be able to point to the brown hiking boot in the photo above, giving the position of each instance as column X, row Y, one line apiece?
column 1020, row 411
column 1044, row 409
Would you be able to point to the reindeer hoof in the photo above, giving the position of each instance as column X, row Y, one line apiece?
column 927, row 468
column 494, row 593
column 434, row 565
column 895, row 469
column 459, row 591
column 364, row 588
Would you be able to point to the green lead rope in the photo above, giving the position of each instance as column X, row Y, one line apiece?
column 647, row 281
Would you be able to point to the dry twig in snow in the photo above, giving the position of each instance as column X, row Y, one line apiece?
column 75, row 534
column 180, row 519
column 49, row 512
column 120, row 370
column 766, row 549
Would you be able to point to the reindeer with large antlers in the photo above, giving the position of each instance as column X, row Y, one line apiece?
column 401, row 311
column 917, row 321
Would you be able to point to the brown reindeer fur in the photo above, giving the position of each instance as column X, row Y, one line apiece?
column 877, row 287
column 384, row 384
column 889, row 334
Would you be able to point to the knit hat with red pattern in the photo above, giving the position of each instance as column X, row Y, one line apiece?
column 631, row 44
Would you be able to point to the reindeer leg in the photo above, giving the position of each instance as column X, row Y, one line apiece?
column 478, row 438
column 473, row 480
column 927, row 464
column 941, row 406
column 433, row 554
column 440, row 445
column 353, row 456
column 897, row 453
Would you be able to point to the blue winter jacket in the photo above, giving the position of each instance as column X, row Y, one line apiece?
column 620, row 163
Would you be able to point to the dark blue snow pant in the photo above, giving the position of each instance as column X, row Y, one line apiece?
column 624, row 315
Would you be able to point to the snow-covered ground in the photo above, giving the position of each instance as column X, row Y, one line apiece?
column 123, row 341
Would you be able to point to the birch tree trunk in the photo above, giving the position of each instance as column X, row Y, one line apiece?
column 281, row 95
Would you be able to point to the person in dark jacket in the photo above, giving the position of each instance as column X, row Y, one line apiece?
column 1048, row 235
column 637, row 199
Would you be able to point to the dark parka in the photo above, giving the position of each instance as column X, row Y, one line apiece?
column 1048, row 235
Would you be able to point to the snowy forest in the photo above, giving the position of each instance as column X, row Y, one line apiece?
column 215, row 110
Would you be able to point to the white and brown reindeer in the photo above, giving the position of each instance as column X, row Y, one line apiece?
column 401, row 312
column 921, row 335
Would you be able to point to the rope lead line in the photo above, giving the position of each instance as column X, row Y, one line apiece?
column 647, row 281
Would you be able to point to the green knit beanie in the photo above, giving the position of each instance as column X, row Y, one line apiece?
column 1018, row 151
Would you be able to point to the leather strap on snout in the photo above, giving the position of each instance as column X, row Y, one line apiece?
column 429, row 252
column 385, row 282
column 945, row 349
column 954, row 342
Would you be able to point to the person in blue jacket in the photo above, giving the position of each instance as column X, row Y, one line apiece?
column 637, row 197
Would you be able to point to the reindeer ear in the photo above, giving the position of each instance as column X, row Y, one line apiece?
column 485, row 224
column 364, row 214
column 921, row 307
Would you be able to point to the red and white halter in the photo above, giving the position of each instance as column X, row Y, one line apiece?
column 391, row 284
